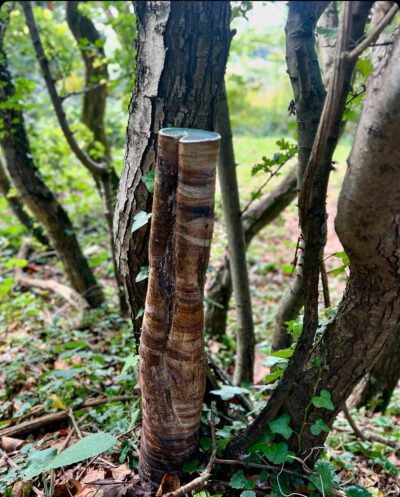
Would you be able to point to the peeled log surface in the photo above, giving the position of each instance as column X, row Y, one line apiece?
column 172, row 366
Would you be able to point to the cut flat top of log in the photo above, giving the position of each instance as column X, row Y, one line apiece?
column 188, row 135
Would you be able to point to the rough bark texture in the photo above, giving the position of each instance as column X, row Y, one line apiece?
column 18, row 208
column 172, row 366
column 260, row 214
column 39, row 198
column 330, row 20
column 93, row 115
column 245, row 340
column 175, row 85
column 309, row 95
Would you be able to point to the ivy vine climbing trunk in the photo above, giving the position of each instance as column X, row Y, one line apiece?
column 172, row 365
column 175, row 85
column 37, row 196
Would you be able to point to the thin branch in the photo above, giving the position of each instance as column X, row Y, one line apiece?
column 94, row 87
column 95, row 167
column 373, row 35
column 257, row 193
column 325, row 285
column 352, row 423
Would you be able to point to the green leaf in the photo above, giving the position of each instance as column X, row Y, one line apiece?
column 143, row 274
column 272, row 361
column 191, row 466
column 227, row 392
column 130, row 362
column 285, row 353
column 70, row 345
column 324, row 478
column 323, row 400
column 357, row 491
column 240, row 481
column 38, row 462
column 327, row 32
column 318, row 427
column 148, row 180
column 261, row 443
column 281, row 426
column 87, row 447
column 273, row 376
column 248, row 493
column 140, row 219
column 276, row 452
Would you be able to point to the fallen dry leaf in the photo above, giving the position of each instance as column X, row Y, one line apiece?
column 10, row 444
column 120, row 472
column 169, row 483
column 93, row 475
column 67, row 488
column 20, row 489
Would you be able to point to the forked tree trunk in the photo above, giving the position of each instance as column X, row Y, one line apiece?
column 38, row 197
column 172, row 366
column 326, row 44
column 18, row 208
column 175, row 85
column 245, row 340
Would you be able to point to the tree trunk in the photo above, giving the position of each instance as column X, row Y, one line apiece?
column 38, row 197
column 175, row 85
column 93, row 115
column 245, row 340
column 367, row 224
column 309, row 95
column 261, row 213
column 18, row 208
column 172, row 367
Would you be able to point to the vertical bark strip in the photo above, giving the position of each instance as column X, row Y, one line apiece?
column 172, row 367
column 175, row 85
column 245, row 340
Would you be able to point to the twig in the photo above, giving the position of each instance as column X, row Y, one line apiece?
column 373, row 35
column 325, row 285
column 257, row 193
column 364, row 89
column 94, row 87
column 57, row 417
column 352, row 423
column 75, row 424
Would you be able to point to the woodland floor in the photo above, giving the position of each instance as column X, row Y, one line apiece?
column 53, row 360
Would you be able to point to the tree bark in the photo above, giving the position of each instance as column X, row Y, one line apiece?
column 172, row 366
column 261, row 213
column 175, row 85
column 309, row 95
column 38, row 197
column 93, row 116
column 245, row 340
column 18, row 209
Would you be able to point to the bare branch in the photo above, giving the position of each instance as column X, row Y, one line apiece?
column 373, row 35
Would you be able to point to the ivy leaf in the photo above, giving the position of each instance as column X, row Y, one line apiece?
column 272, row 361
column 248, row 493
column 276, row 452
column 357, row 491
column 227, row 392
column 130, row 362
column 273, row 376
column 281, row 426
column 238, row 480
column 325, row 477
column 140, row 219
column 323, row 400
column 318, row 427
column 191, row 466
column 261, row 443
column 143, row 274
column 148, row 180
